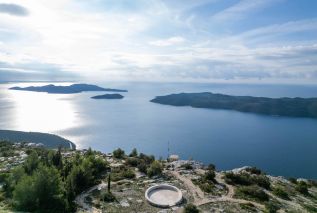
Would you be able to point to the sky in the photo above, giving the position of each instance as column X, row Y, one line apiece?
column 159, row 40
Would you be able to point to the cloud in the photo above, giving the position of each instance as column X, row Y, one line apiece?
column 13, row 9
column 33, row 71
column 168, row 42
column 160, row 40
column 241, row 9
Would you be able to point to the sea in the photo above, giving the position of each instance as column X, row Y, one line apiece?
column 281, row 146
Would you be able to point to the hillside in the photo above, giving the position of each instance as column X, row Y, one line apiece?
column 78, row 181
column 48, row 140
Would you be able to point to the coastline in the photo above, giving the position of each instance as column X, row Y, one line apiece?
column 46, row 139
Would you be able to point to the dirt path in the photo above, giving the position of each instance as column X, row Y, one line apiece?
column 199, row 195
column 80, row 199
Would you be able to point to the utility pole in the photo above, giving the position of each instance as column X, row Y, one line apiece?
column 168, row 150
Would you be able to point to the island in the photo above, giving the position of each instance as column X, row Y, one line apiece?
column 74, row 88
column 290, row 107
column 36, row 139
column 108, row 96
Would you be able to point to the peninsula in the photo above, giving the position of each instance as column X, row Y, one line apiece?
column 290, row 107
column 108, row 96
column 74, row 88
column 36, row 138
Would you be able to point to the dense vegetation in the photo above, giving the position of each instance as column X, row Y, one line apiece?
column 293, row 107
column 48, row 182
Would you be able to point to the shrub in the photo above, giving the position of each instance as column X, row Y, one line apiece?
column 187, row 166
column 253, row 192
column 211, row 167
column 134, row 153
column 241, row 179
column 254, row 170
column 278, row 191
column 118, row 153
column 210, row 175
column 142, row 167
column 206, row 187
column 262, row 181
column 108, row 197
column 293, row 180
column 271, row 207
column 302, row 187
column 128, row 174
column 191, row 208
column 132, row 161
column 155, row 169
column 148, row 159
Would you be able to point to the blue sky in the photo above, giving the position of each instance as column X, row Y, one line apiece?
column 159, row 40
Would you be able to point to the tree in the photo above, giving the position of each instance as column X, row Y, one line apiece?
column 134, row 153
column 42, row 191
column 118, row 153
column 31, row 163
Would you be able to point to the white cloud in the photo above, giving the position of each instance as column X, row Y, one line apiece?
column 168, row 42
column 158, row 41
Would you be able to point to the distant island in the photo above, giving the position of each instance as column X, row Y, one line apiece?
column 48, row 140
column 74, row 88
column 291, row 107
column 108, row 96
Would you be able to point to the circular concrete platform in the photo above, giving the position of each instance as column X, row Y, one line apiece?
column 163, row 195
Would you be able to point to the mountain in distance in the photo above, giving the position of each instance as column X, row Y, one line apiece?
column 74, row 88
column 290, row 107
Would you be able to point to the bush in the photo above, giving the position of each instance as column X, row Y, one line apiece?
column 253, row 192
column 278, row 191
column 134, row 153
column 128, row 174
column 262, row 181
column 241, row 179
column 191, row 208
column 254, row 170
column 118, row 153
column 211, row 167
column 148, row 159
column 155, row 169
column 108, row 197
column 246, row 179
column 132, row 161
column 271, row 207
column 142, row 167
column 293, row 180
column 206, row 187
column 302, row 187
column 210, row 175
column 187, row 166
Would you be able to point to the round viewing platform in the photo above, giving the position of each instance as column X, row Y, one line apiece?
column 163, row 195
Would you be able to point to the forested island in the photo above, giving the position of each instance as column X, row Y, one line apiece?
column 108, row 96
column 74, row 88
column 290, row 107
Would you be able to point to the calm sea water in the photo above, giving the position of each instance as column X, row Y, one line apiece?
column 229, row 139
